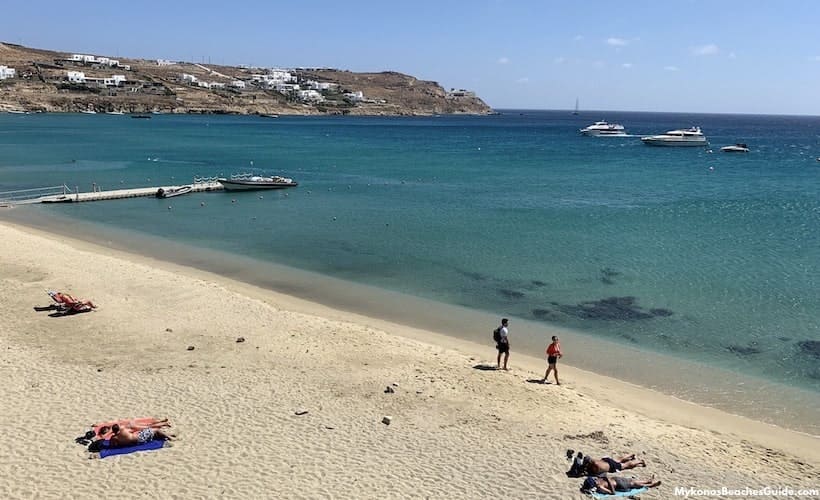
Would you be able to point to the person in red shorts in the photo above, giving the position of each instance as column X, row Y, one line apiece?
column 553, row 353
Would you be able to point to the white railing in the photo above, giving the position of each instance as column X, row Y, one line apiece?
column 31, row 195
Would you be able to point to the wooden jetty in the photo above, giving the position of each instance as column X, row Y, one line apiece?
column 116, row 194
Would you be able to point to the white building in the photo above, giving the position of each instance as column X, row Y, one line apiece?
column 453, row 93
column 164, row 62
column 216, row 85
column 6, row 72
column 76, row 76
column 237, row 84
column 204, row 85
column 310, row 95
column 191, row 79
column 114, row 81
column 89, row 59
column 321, row 85
column 355, row 96
column 285, row 87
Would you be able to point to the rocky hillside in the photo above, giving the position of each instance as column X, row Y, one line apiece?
column 42, row 83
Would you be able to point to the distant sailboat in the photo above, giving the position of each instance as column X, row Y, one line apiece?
column 576, row 107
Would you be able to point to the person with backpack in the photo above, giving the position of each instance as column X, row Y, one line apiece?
column 502, row 342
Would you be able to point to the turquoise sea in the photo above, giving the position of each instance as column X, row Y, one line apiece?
column 689, row 255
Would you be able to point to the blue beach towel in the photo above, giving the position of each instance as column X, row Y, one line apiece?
column 635, row 491
column 150, row 445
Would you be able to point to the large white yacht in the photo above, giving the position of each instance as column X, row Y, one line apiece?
column 683, row 137
column 603, row 128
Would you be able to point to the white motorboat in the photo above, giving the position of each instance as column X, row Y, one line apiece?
column 114, row 113
column 170, row 192
column 737, row 148
column 244, row 182
column 682, row 137
column 604, row 129
column 88, row 112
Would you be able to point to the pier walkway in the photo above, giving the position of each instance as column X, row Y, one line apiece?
column 99, row 195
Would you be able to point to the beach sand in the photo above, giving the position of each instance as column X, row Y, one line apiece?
column 456, row 431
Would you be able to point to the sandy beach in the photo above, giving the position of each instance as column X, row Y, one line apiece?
column 456, row 431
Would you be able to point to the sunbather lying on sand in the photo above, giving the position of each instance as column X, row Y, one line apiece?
column 596, row 466
column 133, row 424
column 609, row 485
column 122, row 437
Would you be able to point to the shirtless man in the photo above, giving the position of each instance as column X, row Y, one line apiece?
column 612, row 484
column 594, row 467
column 122, row 437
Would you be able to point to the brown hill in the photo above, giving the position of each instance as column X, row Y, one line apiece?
column 41, row 84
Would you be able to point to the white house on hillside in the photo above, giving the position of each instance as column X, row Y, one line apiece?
column 76, row 76
column 191, row 79
column 164, row 62
column 355, row 96
column 237, row 84
column 310, row 95
column 6, row 72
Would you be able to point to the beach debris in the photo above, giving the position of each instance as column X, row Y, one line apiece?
column 387, row 419
column 99, row 370
column 301, row 411
column 191, row 348
column 240, row 339
column 169, row 330
column 389, row 390
column 329, row 427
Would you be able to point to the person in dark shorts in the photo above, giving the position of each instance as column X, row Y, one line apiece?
column 594, row 467
column 503, row 344
column 553, row 353
column 612, row 484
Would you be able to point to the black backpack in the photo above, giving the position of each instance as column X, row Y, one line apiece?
column 497, row 335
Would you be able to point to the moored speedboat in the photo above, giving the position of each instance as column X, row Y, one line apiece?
column 173, row 191
column 603, row 128
column 737, row 148
column 251, row 182
column 681, row 137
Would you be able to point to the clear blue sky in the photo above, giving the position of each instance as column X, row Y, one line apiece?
column 685, row 55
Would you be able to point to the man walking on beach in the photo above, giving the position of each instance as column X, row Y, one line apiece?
column 503, row 343
column 553, row 353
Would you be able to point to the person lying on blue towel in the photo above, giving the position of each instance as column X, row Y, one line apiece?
column 608, row 485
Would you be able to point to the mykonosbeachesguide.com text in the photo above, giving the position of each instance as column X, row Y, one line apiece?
column 681, row 491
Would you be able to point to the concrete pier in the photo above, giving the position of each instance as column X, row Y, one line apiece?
column 117, row 194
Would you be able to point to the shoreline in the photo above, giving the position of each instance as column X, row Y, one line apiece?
column 630, row 396
column 705, row 386
column 297, row 405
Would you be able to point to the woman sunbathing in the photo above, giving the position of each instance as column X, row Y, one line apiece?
column 122, row 437
column 104, row 430
column 612, row 484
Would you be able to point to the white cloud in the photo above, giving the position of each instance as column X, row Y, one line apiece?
column 523, row 80
column 560, row 60
column 503, row 60
column 626, row 65
column 616, row 42
column 706, row 50
column 670, row 68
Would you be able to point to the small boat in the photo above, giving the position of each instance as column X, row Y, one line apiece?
column 604, row 129
column 244, row 182
column 114, row 113
column 268, row 115
column 88, row 112
column 144, row 117
column 683, row 137
column 17, row 112
column 173, row 191
column 737, row 148
column 576, row 107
